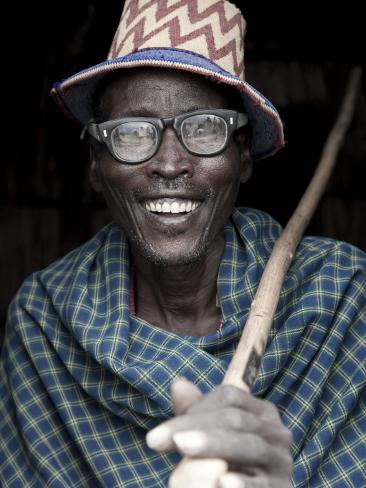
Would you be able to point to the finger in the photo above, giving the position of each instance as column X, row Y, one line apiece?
column 184, row 394
column 244, row 450
column 228, row 419
column 227, row 395
column 238, row 480
column 161, row 438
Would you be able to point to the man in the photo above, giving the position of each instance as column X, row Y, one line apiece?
column 103, row 346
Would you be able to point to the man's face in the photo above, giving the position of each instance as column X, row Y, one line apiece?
column 204, row 187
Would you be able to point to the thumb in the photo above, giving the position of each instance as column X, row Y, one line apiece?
column 184, row 394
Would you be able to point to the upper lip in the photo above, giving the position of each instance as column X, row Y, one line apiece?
column 157, row 196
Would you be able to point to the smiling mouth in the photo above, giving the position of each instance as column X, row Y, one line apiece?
column 177, row 206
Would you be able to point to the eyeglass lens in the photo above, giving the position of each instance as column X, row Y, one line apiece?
column 202, row 134
column 134, row 141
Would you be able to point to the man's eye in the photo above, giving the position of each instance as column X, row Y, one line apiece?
column 199, row 131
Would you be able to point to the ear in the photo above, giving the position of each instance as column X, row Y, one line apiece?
column 245, row 156
column 94, row 176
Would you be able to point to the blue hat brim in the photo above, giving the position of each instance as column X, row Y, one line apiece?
column 75, row 94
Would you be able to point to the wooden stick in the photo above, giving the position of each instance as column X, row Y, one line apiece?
column 243, row 369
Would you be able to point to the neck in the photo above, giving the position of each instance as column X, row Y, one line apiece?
column 180, row 298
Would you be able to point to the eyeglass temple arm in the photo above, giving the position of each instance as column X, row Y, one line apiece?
column 242, row 120
column 91, row 129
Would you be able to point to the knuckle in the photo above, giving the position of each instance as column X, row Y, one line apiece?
column 281, row 464
column 288, row 463
column 278, row 435
column 261, row 448
column 231, row 395
column 235, row 418
column 270, row 410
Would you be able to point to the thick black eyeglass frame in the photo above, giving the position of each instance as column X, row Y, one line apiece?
column 102, row 131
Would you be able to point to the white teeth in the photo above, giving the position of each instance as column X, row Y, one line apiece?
column 166, row 207
column 174, row 208
column 171, row 205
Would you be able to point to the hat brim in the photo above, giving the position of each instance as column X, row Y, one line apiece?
column 75, row 94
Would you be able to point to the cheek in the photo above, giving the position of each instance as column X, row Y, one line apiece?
column 223, row 173
column 233, row 171
column 117, row 184
column 116, row 176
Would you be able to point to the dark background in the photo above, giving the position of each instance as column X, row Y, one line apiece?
column 298, row 56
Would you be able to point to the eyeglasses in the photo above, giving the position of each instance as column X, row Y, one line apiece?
column 133, row 140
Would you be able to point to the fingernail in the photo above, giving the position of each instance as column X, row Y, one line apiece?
column 231, row 480
column 190, row 442
column 159, row 438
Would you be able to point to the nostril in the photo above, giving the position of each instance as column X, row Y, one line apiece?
column 169, row 166
column 169, row 173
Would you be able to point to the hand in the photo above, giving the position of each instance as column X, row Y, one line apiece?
column 229, row 424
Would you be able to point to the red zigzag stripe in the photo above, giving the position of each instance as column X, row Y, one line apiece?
column 194, row 16
column 174, row 29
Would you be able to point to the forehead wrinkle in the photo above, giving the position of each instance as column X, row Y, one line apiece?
column 154, row 95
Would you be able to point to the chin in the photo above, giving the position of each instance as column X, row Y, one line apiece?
column 172, row 255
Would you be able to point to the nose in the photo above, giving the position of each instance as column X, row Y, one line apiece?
column 172, row 160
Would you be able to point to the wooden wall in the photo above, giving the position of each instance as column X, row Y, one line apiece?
column 46, row 205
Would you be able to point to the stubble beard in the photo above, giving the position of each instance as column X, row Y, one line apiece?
column 161, row 259
column 149, row 251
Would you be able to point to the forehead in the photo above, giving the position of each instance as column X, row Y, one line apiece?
column 162, row 92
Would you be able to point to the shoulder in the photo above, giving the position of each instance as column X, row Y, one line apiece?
column 334, row 258
column 68, row 272
column 325, row 286
column 259, row 227
column 324, row 271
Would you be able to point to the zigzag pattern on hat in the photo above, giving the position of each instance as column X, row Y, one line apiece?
column 211, row 28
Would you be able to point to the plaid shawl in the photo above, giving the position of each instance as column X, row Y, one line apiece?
column 82, row 380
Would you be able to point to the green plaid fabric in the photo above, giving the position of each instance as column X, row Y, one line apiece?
column 82, row 380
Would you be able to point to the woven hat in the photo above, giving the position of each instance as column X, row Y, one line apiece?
column 199, row 36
